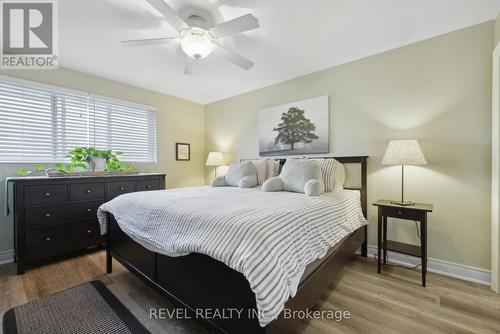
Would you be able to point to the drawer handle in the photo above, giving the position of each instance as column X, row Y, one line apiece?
column 48, row 215
column 148, row 187
column 47, row 194
column 121, row 189
column 88, row 191
column 89, row 231
column 400, row 212
column 47, row 239
column 89, row 210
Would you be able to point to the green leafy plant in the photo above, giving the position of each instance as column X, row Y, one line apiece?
column 66, row 168
column 39, row 169
column 21, row 171
column 81, row 156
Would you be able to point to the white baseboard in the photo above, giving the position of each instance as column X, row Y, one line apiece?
column 445, row 268
column 7, row 256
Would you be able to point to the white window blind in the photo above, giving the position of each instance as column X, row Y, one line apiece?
column 41, row 123
column 125, row 128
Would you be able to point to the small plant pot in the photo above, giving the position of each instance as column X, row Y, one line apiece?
column 98, row 164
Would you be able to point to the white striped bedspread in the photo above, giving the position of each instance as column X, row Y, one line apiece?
column 269, row 237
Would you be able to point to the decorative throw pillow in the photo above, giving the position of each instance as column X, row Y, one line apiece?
column 219, row 181
column 273, row 184
column 333, row 174
column 296, row 173
column 275, row 164
column 314, row 187
column 248, row 181
column 240, row 174
column 266, row 168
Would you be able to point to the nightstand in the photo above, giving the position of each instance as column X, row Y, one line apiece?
column 417, row 212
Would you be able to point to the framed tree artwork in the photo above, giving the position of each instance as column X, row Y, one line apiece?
column 182, row 152
column 300, row 127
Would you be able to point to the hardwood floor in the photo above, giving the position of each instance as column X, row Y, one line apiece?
column 393, row 302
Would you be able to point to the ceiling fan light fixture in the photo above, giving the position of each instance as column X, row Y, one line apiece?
column 196, row 43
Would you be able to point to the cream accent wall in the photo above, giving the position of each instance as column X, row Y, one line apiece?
column 178, row 120
column 497, row 29
column 495, row 172
column 437, row 91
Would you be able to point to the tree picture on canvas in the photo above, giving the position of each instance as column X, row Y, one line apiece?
column 300, row 127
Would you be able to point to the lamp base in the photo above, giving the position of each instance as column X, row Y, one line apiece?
column 403, row 203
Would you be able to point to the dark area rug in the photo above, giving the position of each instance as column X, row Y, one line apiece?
column 86, row 308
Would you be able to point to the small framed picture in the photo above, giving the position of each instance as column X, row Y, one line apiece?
column 182, row 152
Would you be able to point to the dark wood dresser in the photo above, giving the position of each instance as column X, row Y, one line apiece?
column 57, row 215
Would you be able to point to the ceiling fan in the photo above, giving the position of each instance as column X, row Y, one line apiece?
column 198, row 41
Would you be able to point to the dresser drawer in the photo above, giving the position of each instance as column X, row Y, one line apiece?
column 59, row 214
column 147, row 185
column 47, row 194
column 86, row 191
column 403, row 213
column 114, row 189
column 47, row 241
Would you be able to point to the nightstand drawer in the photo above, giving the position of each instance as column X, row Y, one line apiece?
column 403, row 213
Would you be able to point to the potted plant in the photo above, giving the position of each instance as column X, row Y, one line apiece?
column 97, row 160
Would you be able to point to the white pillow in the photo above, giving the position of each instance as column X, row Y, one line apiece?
column 333, row 174
column 314, row 187
column 297, row 172
column 240, row 174
column 266, row 168
column 219, row 181
column 272, row 184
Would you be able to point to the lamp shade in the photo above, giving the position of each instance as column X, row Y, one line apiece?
column 214, row 159
column 404, row 152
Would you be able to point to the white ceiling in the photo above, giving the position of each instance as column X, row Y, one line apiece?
column 296, row 37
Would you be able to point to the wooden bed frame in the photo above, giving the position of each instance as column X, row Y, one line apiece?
column 196, row 281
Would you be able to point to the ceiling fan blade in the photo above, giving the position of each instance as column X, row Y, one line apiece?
column 235, row 26
column 189, row 65
column 170, row 15
column 233, row 57
column 150, row 41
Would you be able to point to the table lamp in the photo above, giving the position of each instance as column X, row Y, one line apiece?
column 403, row 152
column 214, row 159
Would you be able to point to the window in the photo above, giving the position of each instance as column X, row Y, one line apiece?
column 40, row 123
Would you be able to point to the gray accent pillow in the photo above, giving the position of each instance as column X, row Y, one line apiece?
column 273, row 184
column 314, row 187
column 248, row 181
column 219, row 181
column 238, row 170
column 296, row 173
